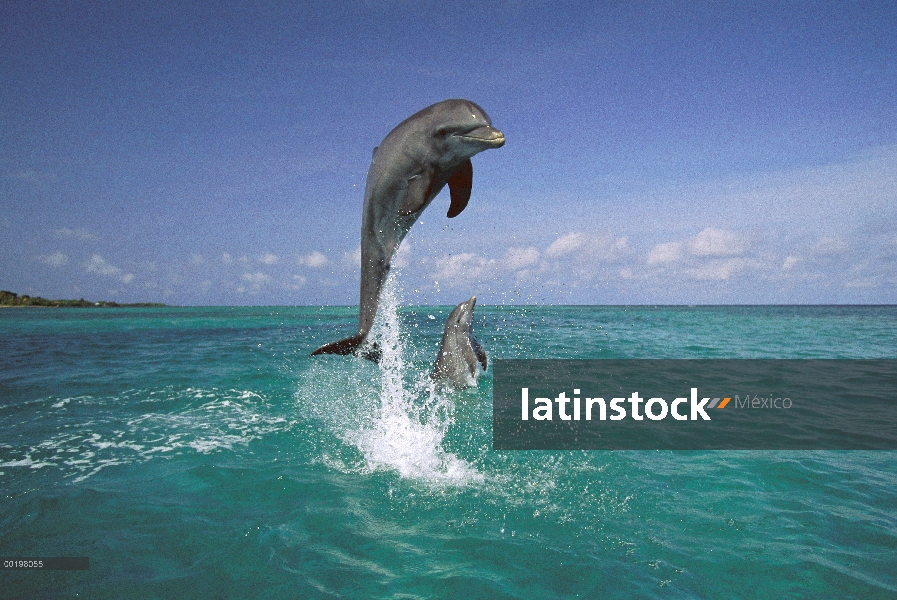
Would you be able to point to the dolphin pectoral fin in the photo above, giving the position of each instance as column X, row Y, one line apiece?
column 342, row 347
column 419, row 188
column 481, row 354
column 460, row 184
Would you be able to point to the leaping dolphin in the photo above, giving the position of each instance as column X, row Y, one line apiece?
column 459, row 352
column 426, row 151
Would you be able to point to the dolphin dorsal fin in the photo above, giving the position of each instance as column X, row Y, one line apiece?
column 374, row 151
column 460, row 184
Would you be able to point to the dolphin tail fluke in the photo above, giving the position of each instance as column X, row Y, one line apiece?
column 371, row 352
column 351, row 345
column 345, row 346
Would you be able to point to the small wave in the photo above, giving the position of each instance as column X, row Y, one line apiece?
column 89, row 439
column 26, row 462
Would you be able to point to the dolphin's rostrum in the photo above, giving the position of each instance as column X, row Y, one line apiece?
column 459, row 351
column 426, row 151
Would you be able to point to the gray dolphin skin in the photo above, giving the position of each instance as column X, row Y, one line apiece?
column 412, row 164
column 459, row 352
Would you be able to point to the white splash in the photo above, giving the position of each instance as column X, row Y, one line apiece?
column 408, row 431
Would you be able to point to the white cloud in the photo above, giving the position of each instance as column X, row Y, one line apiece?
column 575, row 256
column 255, row 281
column 565, row 245
column 226, row 258
column 317, row 259
column 789, row 263
column 708, row 244
column 75, row 234
column 57, row 259
column 353, row 259
column 257, row 278
column 197, row 259
column 403, row 257
column 717, row 242
column 711, row 255
column 464, row 267
column 828, row 246
column 520, row 258
column 587, row 249
column 97, row 264
column 662, row 254
column 296, row 282
column 268, row 259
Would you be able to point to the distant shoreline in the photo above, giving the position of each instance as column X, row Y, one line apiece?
column 13, row 300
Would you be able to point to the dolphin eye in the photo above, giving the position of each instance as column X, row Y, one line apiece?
column 442, row 131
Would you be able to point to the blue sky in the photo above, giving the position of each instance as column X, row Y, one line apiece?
column 656, row 152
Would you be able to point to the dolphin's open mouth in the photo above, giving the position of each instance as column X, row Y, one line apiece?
column 489, row 136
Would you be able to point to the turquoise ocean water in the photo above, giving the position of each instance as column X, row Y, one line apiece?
column 201, row 453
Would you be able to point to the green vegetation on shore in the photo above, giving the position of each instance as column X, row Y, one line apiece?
column 11, row 299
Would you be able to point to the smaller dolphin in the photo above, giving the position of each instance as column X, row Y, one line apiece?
column 459, row 352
